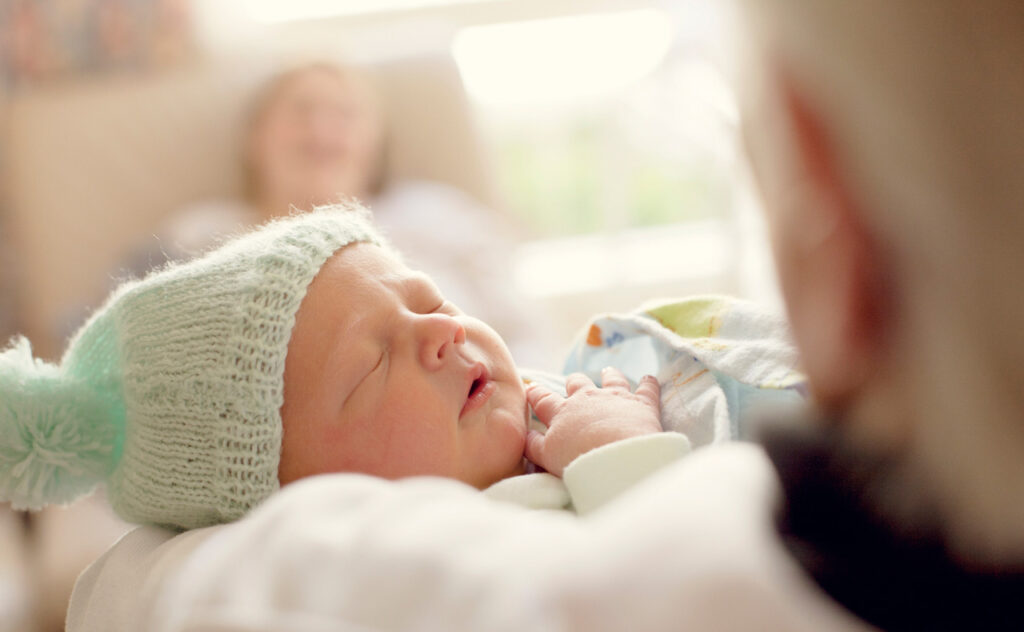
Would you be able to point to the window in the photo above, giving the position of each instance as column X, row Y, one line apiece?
column 602, row 122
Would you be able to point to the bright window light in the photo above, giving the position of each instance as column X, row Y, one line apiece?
column 561, row 60
column 274, row 11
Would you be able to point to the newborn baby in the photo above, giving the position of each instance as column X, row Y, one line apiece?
column 386, row 377
column 307, row 347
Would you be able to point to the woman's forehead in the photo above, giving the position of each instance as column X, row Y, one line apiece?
column 319, row 82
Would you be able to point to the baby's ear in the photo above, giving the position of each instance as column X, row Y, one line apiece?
column 831, row 264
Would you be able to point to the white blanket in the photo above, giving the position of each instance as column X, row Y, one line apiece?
column 691, row 547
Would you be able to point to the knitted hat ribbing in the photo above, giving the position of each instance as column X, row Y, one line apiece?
column 171, row 392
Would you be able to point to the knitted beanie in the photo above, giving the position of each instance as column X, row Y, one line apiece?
column 171, row 392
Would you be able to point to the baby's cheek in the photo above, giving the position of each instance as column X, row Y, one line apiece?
column 508, row 424
column 348, row 446
column 303, row 455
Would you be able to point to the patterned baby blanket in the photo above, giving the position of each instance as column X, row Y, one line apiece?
column 718, row 359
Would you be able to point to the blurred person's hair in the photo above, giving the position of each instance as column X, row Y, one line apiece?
column 922, row 102
column 270, row 90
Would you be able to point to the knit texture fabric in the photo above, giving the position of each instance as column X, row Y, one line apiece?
column 171, row 392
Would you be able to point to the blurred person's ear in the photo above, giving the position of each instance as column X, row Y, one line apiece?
column 830, row 266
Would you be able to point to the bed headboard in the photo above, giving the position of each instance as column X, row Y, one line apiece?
column 91, row 167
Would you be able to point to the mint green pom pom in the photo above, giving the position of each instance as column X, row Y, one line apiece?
column 56, row 433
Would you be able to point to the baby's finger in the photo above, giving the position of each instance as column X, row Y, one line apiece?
column 650, row 391
column 535, row 448
column 575, row 382
column 545, row 403
column 613, row 378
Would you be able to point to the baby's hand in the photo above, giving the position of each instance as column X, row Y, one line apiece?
column 590, row 417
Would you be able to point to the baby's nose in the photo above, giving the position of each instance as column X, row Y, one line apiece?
column 439, row 333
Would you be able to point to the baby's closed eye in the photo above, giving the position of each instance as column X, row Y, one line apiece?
column 380, row 361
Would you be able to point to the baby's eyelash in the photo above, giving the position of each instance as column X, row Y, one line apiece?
column 380, row 362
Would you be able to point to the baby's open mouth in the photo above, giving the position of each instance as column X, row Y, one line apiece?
column 475, row 386
column 480, row 388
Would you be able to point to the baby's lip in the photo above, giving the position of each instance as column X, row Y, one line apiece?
column 479, row 387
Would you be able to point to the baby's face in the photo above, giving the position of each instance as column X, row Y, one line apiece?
column 385, row 377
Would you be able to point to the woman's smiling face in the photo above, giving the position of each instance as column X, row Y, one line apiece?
column 385, row 377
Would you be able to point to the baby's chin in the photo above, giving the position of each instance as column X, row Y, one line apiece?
column 518, row 468
column 512, row 409
column 513, row 463
column 514, row 420
column 508, row 425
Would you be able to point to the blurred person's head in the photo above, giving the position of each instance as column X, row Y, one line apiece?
column 888, row 140
column 315, row 134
